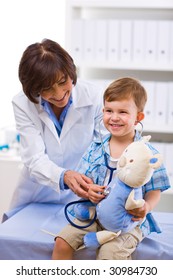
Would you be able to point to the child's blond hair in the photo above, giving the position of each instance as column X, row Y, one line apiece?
column 125, row 88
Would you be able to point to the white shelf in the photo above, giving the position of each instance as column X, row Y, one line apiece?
column 128, row 66
column 148, row 4
column 158, row 129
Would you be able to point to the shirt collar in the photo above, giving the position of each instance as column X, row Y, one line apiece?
column 58, row 123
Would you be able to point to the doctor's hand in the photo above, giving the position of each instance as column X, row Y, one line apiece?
column 77, row 182
column 95, row 193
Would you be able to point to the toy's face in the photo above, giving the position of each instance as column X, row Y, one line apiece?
column 133, row 166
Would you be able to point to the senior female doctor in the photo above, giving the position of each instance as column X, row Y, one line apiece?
column 57, row 117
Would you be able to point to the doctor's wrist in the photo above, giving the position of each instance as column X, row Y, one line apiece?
column 62, row 184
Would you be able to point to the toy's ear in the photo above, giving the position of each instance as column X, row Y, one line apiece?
column 156, row 161
column 146, row 138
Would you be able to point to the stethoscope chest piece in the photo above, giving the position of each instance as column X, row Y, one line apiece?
column 107, row 191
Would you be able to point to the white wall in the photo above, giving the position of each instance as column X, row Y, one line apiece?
column 23, row 22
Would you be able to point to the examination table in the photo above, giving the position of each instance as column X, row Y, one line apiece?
column 24, row 235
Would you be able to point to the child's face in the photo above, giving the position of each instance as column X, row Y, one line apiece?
column 120, row 117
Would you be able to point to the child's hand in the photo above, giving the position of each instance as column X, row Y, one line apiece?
column 95, row 193
column 139, row 213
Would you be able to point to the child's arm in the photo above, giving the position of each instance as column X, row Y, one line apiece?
column 95, row 193
column 151, row 199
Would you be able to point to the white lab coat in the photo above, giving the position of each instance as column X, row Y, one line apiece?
column 44, row 154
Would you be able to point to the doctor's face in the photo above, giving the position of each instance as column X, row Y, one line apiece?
column 59, row 93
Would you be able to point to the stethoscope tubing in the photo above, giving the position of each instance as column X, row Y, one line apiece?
column 70, row 221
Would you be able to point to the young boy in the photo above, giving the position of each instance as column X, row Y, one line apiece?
column 124, row 102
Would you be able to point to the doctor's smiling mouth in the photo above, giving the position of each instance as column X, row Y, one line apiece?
column 62, row 99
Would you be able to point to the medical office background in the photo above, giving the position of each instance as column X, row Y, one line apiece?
column 107, row 39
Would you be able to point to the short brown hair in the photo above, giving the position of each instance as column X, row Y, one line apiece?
column 126, row 87
column 40, row 65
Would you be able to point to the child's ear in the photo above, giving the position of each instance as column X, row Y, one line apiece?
column 140, row 117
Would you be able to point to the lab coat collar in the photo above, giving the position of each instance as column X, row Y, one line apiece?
column 44, row 116
column 72, row 117
column 74, row 114
column 79, row 98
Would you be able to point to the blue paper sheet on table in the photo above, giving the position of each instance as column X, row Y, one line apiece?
column 24, row 235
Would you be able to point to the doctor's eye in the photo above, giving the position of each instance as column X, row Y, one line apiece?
column 45, row 90
column 131, row 160
column 62, row 82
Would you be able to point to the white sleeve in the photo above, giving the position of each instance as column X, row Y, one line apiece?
column 33, row 151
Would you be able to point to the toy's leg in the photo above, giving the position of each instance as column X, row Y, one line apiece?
column 120, row 248
column 95, row 239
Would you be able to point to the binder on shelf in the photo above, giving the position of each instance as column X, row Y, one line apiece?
column 125, row 40
column 161, row 148
column 100, row 40
column 138, row 40
column 113, row 40
column 163, row 41
column 150, row 40
column 170, row 103
column 77, row 39
column 161, row 102
column 171, row 43
column 101, row 83
column 89, row 39
column 149, row 110
column 168, row 161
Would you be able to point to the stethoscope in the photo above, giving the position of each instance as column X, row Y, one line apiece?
column 106, row 191
column 111, row 169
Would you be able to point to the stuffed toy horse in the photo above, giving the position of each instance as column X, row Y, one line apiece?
column 134, row 169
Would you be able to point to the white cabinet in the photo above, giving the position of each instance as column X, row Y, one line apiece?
column 114, row 38
column 10, row 167
column 165, row 204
